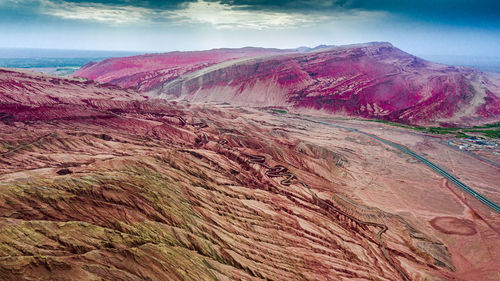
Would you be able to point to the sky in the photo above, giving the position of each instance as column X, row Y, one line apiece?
column 437, row 27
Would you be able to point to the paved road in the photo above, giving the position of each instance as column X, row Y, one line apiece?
column 431, row 165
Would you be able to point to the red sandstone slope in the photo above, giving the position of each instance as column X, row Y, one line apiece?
column 97, row 183
column 374, row 80
column 148, row 72
column 29, row 96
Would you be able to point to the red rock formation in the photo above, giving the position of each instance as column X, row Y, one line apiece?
column 101, row 183
column 149, row 72
column 374, row 80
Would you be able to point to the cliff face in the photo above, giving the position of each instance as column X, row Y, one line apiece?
column 374, row 80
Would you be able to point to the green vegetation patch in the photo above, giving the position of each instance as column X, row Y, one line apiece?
column 457, row 131
column 398, row 124
column 494, row 134
column 491, row 125
column 280, row 111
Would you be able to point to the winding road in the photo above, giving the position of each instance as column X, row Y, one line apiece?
column 431, row 165
column 281, row 171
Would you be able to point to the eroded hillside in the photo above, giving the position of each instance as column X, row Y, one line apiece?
column 373, row 80
column 101, row 183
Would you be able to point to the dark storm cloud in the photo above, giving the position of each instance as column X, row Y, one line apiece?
column 432, row 26
column 387, row 5
column 160, row 5
column 457, row 7
column 457, row 10
column 444, row 11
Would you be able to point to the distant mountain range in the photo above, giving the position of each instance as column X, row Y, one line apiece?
column 371, row 80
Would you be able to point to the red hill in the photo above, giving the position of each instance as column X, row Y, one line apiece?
column 373, row 80
column 149, row 72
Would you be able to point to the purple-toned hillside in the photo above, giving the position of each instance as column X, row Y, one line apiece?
column 148, row 72
column 373, row 80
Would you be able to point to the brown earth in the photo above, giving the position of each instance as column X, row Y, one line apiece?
column 451, row 225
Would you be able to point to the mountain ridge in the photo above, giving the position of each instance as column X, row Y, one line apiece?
column 368, row 80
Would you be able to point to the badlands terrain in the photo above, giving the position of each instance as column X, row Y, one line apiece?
column 99, row 182
column 372, row 80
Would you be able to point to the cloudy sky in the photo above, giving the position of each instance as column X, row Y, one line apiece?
column 455, row 27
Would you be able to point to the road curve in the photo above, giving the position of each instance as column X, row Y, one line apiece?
column 281, row 171
column 431, row 165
